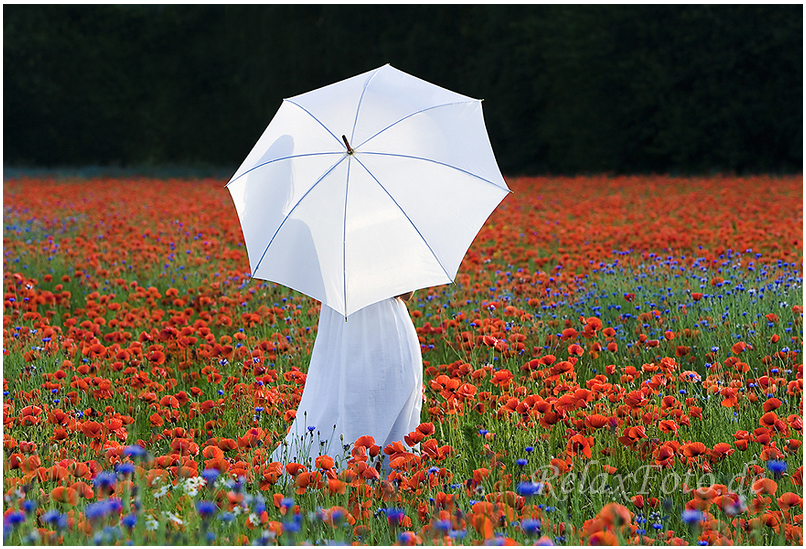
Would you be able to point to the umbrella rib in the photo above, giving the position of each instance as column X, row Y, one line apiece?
column 253, row 168
column 333, row 167
column 392, row 198
column 413, row 114
column 410, row 157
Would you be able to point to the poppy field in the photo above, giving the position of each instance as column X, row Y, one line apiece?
column 619, row 361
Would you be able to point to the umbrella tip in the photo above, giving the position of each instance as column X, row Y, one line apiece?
column 347, row 144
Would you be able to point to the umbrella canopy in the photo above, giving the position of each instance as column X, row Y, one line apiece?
column 366, row 189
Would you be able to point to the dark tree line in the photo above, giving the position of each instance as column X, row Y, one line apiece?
column 567, row 89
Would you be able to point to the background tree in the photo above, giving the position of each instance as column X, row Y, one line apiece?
column 567, row 89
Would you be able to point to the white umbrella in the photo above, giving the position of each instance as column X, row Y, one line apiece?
column 366, row 189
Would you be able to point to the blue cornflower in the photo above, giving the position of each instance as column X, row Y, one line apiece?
column 210, row 476
column 104, row 479
column 657, row 526
column 442, row 525
column 457, row 534
column 124, row 468
column 292, row 526
column 777, row 467
column 111, row 533
column 692, row 516
column 206, row 509
column 528, row 489
column 529, row 449
column 114, row 506
column 311, row 428
column 702, row 543
column 226, row 517
column 395, row 516
column 530, row 527
column 29, row 506
column 286, row 502
column 51, row 516
column 406, row 538
column 521, row 462
column 129, row 520
column 337, row 517
column 236, row 485
column 95, row 511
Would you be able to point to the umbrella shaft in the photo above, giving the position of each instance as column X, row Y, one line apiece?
column 349, row 148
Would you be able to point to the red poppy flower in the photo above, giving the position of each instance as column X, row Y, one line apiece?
column 693, row 449
column 490, row 341
column 569, row 334
column 426, row 428
column 579, row 444
column 575, row 350
column 768, row 419
column 788, row 500
column 603, row 537
column 92, row 429
column 771, row 404
column 720, row 451
column 294, row 469
column 765, row 486
column 365, row 441
column 739, row 347
column 596, row 421
column 667, row 426
column 63, row 494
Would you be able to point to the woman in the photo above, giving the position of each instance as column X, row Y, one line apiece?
column 365, row 378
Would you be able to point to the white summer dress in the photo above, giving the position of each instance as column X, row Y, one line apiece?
column 365, row 378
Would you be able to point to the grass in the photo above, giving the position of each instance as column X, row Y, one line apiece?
column 642, row 296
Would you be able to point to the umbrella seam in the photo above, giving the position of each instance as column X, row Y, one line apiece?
column 317, row 120
column 440, row 163
column 360, row 101
column 333, row 167
column 253, row 168
column 392, row 198
column 414, row 114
